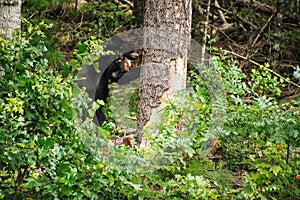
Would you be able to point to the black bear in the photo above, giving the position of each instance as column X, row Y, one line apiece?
column 112, row 73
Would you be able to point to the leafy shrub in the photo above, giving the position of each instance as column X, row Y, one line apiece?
column 37, row 133
column 260, row 134
column 264, row 83
column 73, row 25
column 42, row 154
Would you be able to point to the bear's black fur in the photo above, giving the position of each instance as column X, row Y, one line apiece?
column 112, row 73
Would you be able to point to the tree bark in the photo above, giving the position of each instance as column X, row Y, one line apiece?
column 10, row 17
column 163, row 70
column 139, row 12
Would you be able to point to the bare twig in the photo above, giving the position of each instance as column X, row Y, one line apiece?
column 237, row 16
column 197, row 6
column 261, row 30
column 220, row 12
column 128, row 3
column 132, row 118
column 124, row 3
column 264, row 8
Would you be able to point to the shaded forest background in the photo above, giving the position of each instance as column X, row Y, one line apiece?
column 253, row 32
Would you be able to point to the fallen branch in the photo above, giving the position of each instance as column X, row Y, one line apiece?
column 127, row 2
column 217, row 5
column 262, row 30
column 263, row 8
column 227, row 12
column 124, row 3
column 257, row 64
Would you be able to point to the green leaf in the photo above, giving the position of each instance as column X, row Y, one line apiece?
column 111, row 179
column 31, row 182
column 20, row 145
column 275, row 169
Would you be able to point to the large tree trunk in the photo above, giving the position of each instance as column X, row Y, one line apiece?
column 163, row 70
column 10, row 17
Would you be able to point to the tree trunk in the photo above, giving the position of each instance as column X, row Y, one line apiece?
column 139, row 12
column 10, row 17
column 163, row 70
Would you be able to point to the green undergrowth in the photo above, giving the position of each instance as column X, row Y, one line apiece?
column 48, row 152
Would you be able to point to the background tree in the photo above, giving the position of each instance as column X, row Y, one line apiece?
column 163, row 72
column 139, row 12
column 10, row 13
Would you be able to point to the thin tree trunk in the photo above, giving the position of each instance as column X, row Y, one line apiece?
column 10, row 17
column 139, row 12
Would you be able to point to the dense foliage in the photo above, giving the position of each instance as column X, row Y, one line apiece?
column 43, row 141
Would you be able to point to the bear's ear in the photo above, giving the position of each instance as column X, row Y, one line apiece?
column 120, row 62
column 135, row 54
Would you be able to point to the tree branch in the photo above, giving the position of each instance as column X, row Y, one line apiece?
column 263, row 8
column 257, row 64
